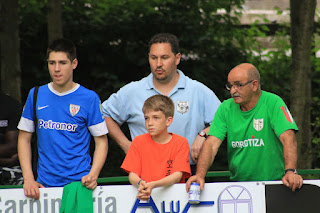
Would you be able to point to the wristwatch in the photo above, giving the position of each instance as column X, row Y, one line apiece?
column 290, row 170
column 202, row 134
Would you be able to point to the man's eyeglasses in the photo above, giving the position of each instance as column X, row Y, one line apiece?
column 237, row 86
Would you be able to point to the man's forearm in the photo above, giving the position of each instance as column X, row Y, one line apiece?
column 206, row 130
column 207, row 155
column 12, row 161
column 289, row 143
column 116, row 134
column 9, row 148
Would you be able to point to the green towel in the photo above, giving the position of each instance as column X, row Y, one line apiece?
column 76, row 199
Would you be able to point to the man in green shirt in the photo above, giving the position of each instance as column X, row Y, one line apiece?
column 260, row 133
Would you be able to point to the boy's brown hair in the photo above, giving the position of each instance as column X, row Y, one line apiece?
column 159, row 103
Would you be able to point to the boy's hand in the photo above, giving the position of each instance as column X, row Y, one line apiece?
column 31, row 189
column 89, row 181
column 142, row 185
column 145, row 190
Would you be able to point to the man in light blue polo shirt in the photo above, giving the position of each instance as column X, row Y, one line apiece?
column 195, row 104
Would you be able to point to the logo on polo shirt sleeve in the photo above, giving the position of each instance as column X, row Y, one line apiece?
column 287, row 114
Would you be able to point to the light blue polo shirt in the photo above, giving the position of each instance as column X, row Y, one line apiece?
column 195, row 106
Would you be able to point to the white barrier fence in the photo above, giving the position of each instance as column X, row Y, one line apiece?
column 230, row 197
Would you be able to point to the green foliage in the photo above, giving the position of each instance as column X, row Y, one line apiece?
column 274, row 61
column 315, row 112
column 112, row 36
column 33, row 31
column 315, row 127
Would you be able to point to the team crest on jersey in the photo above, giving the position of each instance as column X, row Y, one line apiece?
column 258, row 124
column 74, row 109
column 182, row 106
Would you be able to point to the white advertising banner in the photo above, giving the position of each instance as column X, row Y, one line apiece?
column 230, row 197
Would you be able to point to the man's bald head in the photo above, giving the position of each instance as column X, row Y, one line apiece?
column 247, row 69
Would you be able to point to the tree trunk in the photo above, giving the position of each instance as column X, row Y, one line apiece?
column 10, row 48
column 302, row 22
column 54, row 20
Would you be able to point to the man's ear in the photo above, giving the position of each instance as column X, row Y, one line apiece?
column 178, row 58
column 255, row 85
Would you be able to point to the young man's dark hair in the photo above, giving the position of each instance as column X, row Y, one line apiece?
column 63, row 45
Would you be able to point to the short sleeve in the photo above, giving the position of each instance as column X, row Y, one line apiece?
column 281, row 118
column 114, row 108
column 96, row 123
column 218, row 127
column 211, row 105
column 182, row 159
column 132, row 161
column 26, row 122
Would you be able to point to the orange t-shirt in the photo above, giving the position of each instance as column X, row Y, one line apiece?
column 153, row 161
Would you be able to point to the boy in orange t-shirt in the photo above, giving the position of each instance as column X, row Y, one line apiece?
column 157, row 158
